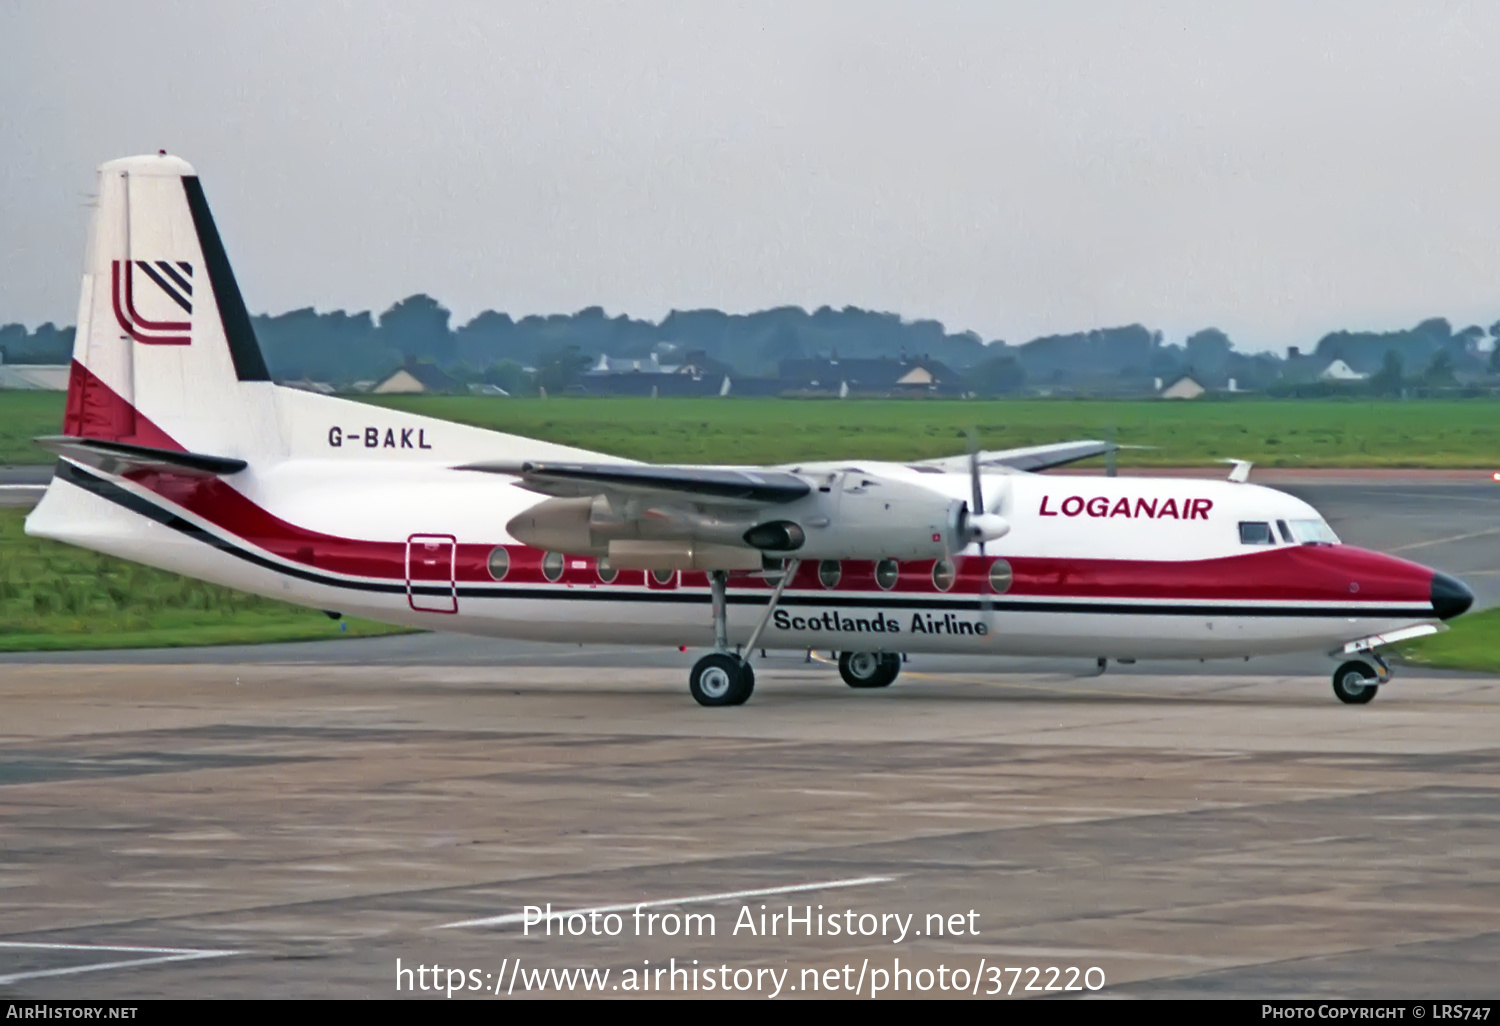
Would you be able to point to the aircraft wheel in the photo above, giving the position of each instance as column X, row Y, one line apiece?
column 721, row 679
column 869, row 669
column 1355, row 682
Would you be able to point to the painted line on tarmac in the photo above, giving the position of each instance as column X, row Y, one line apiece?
column 1445, row 541
column 510, row 919
column 160, row 957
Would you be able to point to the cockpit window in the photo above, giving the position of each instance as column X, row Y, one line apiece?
column 1286, row 532
column 1313, row 532
column 1254, row 532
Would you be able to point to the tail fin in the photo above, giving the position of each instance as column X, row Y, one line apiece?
column 164, row 340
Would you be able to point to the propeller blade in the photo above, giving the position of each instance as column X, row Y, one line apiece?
column 976, row 489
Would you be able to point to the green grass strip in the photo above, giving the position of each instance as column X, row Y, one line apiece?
column 55, row 596
column 1471, row 643
column 1273, row 433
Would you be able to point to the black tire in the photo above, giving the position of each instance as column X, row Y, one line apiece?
column 721, row 679
column 869, row 669
column 1355, row 682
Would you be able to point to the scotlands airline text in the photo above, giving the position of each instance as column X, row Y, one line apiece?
column 879, row 623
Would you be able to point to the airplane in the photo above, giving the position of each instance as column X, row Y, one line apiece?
column 178, row 451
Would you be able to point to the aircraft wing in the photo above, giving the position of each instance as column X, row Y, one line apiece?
column 696, row 484
column 1030, row 458
column 124, row 457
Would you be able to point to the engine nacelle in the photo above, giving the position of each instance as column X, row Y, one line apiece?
column 560, row 525
column 853, row 515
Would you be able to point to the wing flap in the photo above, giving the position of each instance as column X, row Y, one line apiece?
column 123, row 457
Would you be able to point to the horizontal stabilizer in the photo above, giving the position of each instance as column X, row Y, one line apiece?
column 579, row 479
column 123, row 457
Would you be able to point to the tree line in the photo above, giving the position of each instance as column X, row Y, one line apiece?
column 519, row 354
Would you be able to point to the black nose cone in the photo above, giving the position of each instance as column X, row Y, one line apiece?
column 1450, row 596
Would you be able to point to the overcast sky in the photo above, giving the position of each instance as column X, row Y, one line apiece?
column 1275, row 169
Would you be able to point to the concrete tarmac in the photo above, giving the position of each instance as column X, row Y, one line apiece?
column 264, row 830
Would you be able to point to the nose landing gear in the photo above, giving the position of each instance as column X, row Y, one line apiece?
column 1356, row 682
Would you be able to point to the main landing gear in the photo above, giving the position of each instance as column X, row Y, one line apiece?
column 869, row 669
column 1356, row 681
column 724, row 677
column 721, row 678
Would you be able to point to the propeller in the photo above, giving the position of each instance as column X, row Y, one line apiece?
column 976, row 487
column 983, row 527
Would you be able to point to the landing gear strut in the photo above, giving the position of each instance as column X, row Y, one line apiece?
column 869, row 669
column 723, row 677
column 1356, row 681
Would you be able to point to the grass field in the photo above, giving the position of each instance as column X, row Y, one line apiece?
column 24, row 416
column 1272, row 433
column 1472, row 643
column 55, row 596
column 1277, row 433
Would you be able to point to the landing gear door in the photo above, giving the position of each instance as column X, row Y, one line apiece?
column 430, row 586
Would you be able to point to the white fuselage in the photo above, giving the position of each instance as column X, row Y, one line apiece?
column 1092, row 566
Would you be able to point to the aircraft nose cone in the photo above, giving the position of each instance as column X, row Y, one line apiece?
column 1450, row 596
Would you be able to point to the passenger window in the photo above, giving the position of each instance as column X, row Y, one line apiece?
column 1255, row 533
column 1000, row 576
column 552, row 566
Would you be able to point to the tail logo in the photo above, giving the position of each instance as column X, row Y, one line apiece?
column 173, row 282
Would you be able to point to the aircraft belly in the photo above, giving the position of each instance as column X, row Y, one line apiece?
column 620, row 620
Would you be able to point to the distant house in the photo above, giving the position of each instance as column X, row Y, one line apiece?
column 34, row 377
column 1338, row 370
column 1182, row 387
column 416, row 379
column 695, row 363
column 695, row 375
column 607, row 365
column 885, row 376
column 304, row 385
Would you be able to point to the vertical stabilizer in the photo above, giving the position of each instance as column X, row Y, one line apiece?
column 164, row 346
